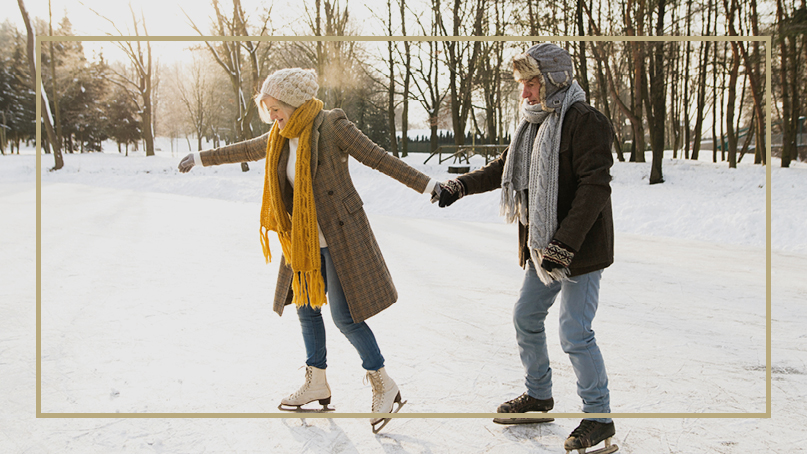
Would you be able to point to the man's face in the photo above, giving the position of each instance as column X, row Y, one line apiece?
column 531, row 90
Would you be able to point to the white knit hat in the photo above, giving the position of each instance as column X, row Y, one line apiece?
column 294, row 86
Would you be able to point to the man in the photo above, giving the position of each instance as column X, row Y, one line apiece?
column 555, row 181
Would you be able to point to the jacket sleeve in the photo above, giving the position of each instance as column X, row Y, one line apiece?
column 248, row 150
column 590, row 144
column 487, row 178
column 351, row 140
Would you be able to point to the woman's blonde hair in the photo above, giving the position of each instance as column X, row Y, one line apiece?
column 263, row 111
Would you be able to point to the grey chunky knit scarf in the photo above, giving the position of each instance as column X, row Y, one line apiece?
column 530, row 177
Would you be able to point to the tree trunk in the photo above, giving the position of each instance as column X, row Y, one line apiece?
column 46, row 116
column 659, row 101
column 635, row 28
column 393, row 142
column 730, row 105
column 406, row 85
column 56, row 110
column 582, row 64
column 788, row 126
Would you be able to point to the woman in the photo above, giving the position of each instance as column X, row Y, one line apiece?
column 328, row 246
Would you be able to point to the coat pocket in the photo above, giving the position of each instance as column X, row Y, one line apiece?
column 353, row 202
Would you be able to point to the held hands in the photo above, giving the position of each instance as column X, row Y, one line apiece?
column 556, row 255
column 186, row 164
column 448, row 192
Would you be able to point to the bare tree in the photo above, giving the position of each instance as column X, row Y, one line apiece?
column 46, row 115
column 788, row 32
column 194, row 93
column 407, row 82
column 462, row 60
column 490, row 75
column 140, row 83
column 54, row 84
column 731, row 12
column 634, row 22
column 391, row 85
column 242, row 61
column 658, row 99
column 426, row 80
column 701, row 84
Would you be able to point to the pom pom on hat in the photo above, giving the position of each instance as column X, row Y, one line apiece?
column 294, row 86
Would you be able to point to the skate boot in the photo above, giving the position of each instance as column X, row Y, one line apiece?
column 314, row 388
column 386, row 397
column 589, row 433
column 524, row 404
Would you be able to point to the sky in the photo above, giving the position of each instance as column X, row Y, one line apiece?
column 163, row 18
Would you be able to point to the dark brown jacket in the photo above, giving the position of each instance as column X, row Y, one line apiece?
column 364, row 276
column 585, row 222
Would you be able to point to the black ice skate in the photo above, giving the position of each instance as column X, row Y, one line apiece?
column 525, row 404
column 590, row 433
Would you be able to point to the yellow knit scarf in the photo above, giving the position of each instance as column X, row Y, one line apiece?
column 298, row 232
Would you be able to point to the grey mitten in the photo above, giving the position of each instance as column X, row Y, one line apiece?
column 186, row 164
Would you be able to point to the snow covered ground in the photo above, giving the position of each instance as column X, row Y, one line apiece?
column 156, row 299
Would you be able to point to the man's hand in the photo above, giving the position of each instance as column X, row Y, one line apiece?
column 448, row 192
column 556, row 255
column 186, row 164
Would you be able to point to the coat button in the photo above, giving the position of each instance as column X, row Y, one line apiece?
column 341, row 223
column 330, row 192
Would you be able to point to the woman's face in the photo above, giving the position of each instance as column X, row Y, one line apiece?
column 278, row 111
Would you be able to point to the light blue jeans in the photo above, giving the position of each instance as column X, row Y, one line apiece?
column 579, row 298
column 359, row 334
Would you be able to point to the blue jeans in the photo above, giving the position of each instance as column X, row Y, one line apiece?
column 579, row 298
column 359, row 334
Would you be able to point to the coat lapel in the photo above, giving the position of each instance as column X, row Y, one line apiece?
column 315, row 143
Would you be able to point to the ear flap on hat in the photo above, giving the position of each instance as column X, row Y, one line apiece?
column 559, row 78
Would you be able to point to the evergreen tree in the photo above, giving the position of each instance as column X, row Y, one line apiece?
column 17, row 100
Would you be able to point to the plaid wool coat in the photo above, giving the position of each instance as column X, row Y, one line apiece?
column 364, row 276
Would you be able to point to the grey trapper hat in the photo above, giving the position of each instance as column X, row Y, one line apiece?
column 555, row 67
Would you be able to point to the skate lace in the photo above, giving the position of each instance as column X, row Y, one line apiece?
column 304, row 388
column 377, row 382
column 584, row 430
column 519, row 401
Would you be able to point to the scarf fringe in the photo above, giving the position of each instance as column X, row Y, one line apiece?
column 267, row 253
column 513, row 205
column 308, row 288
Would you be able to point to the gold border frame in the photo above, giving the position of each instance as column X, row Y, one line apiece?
column 767, row 40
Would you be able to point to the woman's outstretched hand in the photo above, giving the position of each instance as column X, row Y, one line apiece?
column 186, row 164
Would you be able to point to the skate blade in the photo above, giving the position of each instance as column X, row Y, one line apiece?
column 608, row 449
column 300, row 409
column 378, row 425
column 511, row 421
